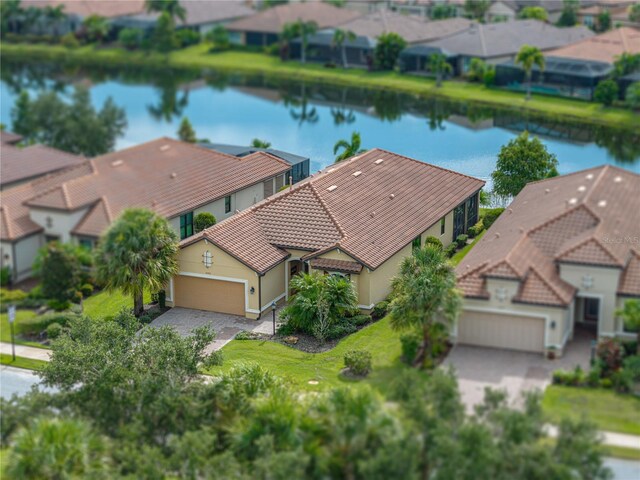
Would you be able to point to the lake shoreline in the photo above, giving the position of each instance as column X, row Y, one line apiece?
column 198, row 58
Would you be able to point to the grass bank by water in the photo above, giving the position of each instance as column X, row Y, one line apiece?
column 198, row 57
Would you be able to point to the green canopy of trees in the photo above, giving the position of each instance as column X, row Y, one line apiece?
column 606, row 92
column 388, row 49
column 186, row 133
column 349, row 148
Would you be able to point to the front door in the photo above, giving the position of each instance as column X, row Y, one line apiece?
column 591, row 310
column 458, row 221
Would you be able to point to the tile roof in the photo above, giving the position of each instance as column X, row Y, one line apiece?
column 85, row 8
column 506, row 38
column 365, row 206
column 20, row 164
column 8, row 137
column 198, row 12
column 165, row 175
column 273, row 19
column 332, row 265
column 589, row 217
column 602, row 48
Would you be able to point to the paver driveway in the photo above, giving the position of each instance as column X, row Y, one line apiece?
column 226, row 326
column 515, row 372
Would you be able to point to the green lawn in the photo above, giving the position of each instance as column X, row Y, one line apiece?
column 610, row 411
column 621, row 452
column 198, row 57
column 24, row 321
column 298, row 368
column 21, row 362
column 461, row 254
column 106, row 304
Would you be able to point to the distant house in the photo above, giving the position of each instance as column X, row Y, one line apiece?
column 358, row 219
column 175, row 179
column 368, row 28
column 19, row 165
column 576, row 69
column 563, row 256
column 618, row 12
column 263, row 28
column 299, row 164
column 425, row 8
column 499, row 42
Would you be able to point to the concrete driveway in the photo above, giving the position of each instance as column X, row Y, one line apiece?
column 226, row 326
column 515, row 372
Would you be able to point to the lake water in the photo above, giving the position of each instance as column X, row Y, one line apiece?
column 307, row 119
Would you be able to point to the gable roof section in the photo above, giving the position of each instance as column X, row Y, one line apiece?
column 85, row 8
column 630, row 280
column 273, row 19
column 588, row 252
column 8, row 137
column 602, row 48
column 21, row 164
column 370, row 206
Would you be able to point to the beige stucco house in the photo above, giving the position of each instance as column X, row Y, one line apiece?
column 564, row 255
column 358, row 218
column 175, row 179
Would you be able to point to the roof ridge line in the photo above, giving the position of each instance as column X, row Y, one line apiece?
column 544, row 280
column 263, row 153
column 5, row 213
column 328, row 211
column 595, row 183
column 474, row 270
column 583, row 243
column 560, row 215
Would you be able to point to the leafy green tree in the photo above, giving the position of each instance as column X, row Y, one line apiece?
column 630, row 315
column 569, row 15
column 625, row 64
column 73, row 126
column 319, row 302
column 303, row 30
column 349, row 149
column 341, row 36
column 442, row 11
column 521, row 161
column 388, row 49
column 634, row 13
column 273, row 3
column 203, row 220
column 10, row 13
column 164, row 34
column 59, row 272
column 186, row 133
column 96, row 27
column 440, row 67
column 130, row 38
column 137, row 253
column 57, row 448
column 606, row 92
column 256, row 142
column 477, row 70
column 170, row 7
column 288, row 33
column 54, row 15
column 424, row 295
column 528, row 56
column 219, row 37
column 604, row 21
column 534, row 13
column 477, row 9
column 632, row 95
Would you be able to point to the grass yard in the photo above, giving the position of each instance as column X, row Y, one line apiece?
column 21, row 362
column 610, row 411
column 24, row 322
column 298, row 368
column 106, row 304
column 621, row 452
column 198, row 57
column 461, row 254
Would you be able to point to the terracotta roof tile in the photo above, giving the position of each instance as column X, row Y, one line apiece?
column 590, row 252
column 502, row 270
column 84, row 8
column 8, row 137
column 630, row 279
column 330, row 264
column 602, row 48
column 21, row 164
column 535, row 289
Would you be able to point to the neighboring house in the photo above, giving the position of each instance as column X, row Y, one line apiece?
column 499, row 42
column 22, row 164
column 299, row 165
column 368, row 28
column 200, row 15
column 425, row 8
column 175, row 179
column 502, row 11
column 9, row 138
column 576, row 69
column 618, row 12
column 565, row 254
column 264, row 28
column 358, row 218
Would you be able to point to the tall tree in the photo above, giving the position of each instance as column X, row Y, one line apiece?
column 569, row 15
column 606, row 92
column 528, row 56
column 439, row 66
column 97, row 28
column 305, row 30
column 534, row 13
column 256, row 142
column 625, row 64
column 521, row 161
column 338, row 40
column 349, row 149
column 137, row 253
column 186, row 133
column 604, row 21
column 630, row 315
column 171, row 7
column 60, row 273
column 164, row 33
column 54, row 15
column 388, row 48
column 477, row 9
column 634, row 13
column 424, row 295
column 10, row 13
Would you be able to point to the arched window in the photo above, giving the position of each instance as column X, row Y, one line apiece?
column 207, row 259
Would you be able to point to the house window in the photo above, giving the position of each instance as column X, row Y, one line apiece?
column 186, row 225
column 416, row 243
column 227, row 204
column 591, row 309
column 442, row 225
column 207, row 259
column 86, row 243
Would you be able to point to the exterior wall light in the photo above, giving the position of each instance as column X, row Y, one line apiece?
column 553, row 325
column 252, row 290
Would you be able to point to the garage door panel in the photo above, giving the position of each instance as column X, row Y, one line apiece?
column 501, row 331
column 209, row 294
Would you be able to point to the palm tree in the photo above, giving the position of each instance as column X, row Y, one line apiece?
column 10, row 13
column 349, row 148
column 305, row 29
column 172, row 7
column 630, row 314
column 53, row 16
column 137, row 253
column 289, row 32
column 529, row 56
column 257, row 143
column 97, row 27
column 439, row 65
column 424, row 296
column 339, row 37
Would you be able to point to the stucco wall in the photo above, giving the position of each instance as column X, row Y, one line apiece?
column 61, row 222
column 26, row 250
column 272, row 284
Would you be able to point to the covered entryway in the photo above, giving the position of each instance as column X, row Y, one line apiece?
column 513, row 332
column 209, row 294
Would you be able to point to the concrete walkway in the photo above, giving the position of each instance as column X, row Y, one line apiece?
column 26, row 351
column 608, row 438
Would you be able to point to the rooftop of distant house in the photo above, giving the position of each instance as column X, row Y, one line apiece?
column 602, row 48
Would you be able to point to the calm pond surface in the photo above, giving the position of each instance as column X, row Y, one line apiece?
column 308, row 119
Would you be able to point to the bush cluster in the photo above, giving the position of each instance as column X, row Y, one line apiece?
column 358, row 362
column 489, row 216
column 450, row 251
column 431, row 240
column 476, row 230
column 380, row 309
column 461, row 240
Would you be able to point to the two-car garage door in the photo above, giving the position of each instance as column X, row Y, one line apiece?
column 512, row 332
column 209, row 294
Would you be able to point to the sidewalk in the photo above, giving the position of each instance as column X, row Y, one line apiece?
column 26, row 352
column 611, row 439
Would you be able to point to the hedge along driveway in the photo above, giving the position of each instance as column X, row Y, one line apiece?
column 198, row 57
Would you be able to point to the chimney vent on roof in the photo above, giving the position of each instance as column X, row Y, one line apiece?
column 236, row 211
column 373, row 214
column 392, row 196
column 589, row 176
column 602, row 203
column 497, row 234
column 117, row 163
column 379, row 161
column 618, row 179
column 164, row 148
column 546, row 190
column 510, row 211
column 332, row 188
column 174, row 174
column 330, row 170
column 582, row 188
column 573, row 201
column 521, row 229
column 357, row 174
